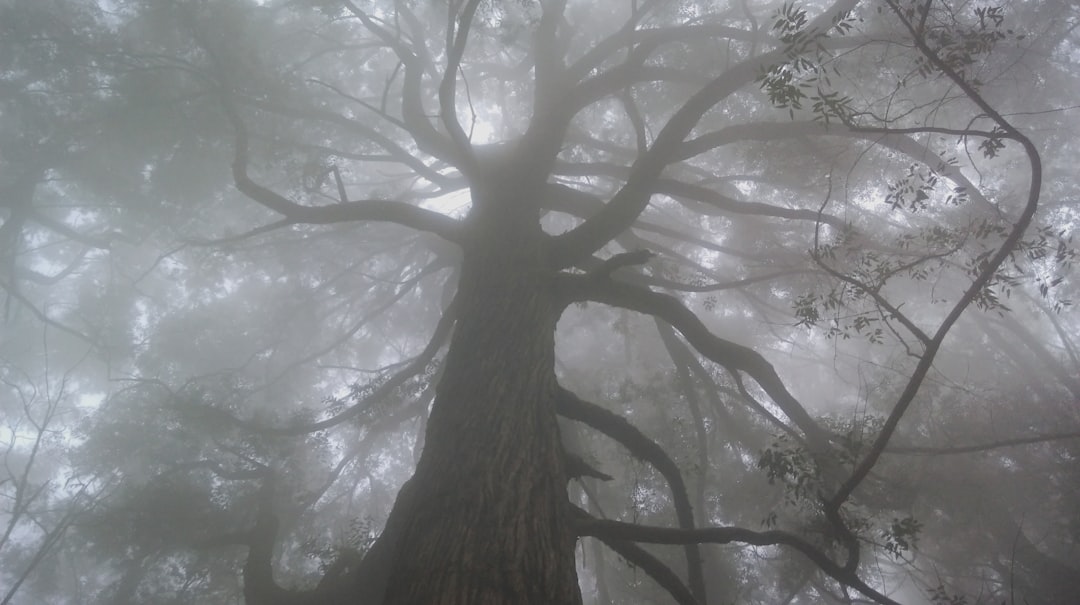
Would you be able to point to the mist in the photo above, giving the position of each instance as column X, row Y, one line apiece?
column 538, row 302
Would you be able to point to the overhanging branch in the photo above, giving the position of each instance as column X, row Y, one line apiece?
column 366, row 210
column 642, row 447
column 587, row 525
column 719, row 350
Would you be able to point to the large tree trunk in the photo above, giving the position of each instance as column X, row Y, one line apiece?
column 484, row 520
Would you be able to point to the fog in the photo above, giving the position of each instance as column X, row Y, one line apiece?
column 538, row 301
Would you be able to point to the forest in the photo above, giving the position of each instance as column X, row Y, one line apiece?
column 550, row 302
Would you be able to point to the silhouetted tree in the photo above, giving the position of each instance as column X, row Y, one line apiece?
column 763, row 251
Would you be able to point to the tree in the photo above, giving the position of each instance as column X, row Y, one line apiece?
column 238, row 207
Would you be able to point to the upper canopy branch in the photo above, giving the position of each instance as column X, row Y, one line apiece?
column 986, row 273
column 345, row 211
column 416, row 60
column 448, row 86
column 629, row 202
column 899, row 140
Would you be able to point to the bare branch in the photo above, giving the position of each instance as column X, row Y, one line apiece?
column 618, row 428
column 655, row 568
column 723, row 352
column 987, row 272
column 624, row 208
column 617, row 530
column 366, row 210
column 448, row 88
column 913, row 450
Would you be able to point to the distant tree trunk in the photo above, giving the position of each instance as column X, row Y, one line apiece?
column 484, row 520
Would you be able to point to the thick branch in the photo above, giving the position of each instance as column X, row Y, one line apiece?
column 448, row 88
column 618, row 428
column 367, row 210
column 654, row 568
column 720, row 351
column 617, row 530
column 680, row 190
column 415, row 60
column 624, row 208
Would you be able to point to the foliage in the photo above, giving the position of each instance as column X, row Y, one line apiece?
column 792, row 244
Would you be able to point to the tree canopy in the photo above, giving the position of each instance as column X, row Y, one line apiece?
column 538, row 301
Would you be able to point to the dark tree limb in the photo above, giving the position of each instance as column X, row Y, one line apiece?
column 654, row 568
column 414, row 367
column 928, row 450
column 988, row 270
column 416, row 61
column 628, row 203
column 688, row 191
column 682, row 359
column 618, row 530
column 625, row 259
column 642, row 447
column 366, row 210
column 719, row 350
column 448, row 87
column 576, row 468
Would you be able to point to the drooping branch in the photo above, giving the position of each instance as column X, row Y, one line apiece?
column 986, row 273
column 42, row 315
column 682, row 359
column 101, row 242
column 642, row 447
column 719, row 350
column 687, row 191
column 588, row 525
column 413, row 368
column 654, row 568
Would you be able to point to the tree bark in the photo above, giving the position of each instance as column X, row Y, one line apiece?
column 485, row 517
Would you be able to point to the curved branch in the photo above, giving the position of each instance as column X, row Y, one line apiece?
column 448, row 88
column 415, row 60
column 102, row 242
column 366, row 210
column 987, row 272
column 719, row 350
column 683, row 359
column 618, row 428
column 588, row 525
column 654, row 568
column 624, row 208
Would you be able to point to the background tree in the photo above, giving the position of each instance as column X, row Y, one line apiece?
column 771, row 285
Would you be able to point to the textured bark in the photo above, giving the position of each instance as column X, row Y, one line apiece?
column 486, row 518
